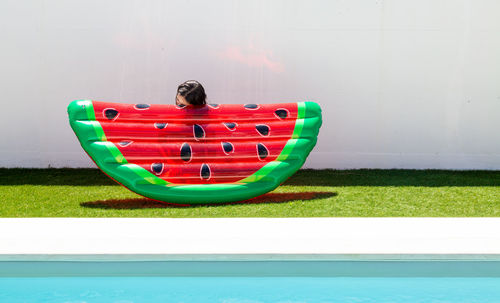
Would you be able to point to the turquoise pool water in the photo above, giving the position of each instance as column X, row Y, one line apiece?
column 249, row 281
column 248, row 289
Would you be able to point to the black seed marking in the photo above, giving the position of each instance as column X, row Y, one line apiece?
column 110, row 113
column 205, row 171
column 227, row 147
column 214, row 105
column 230, row 125
column 142, row 106
column 160, row 125
column 281, row 113
column 125, row 143
column 262, row 151
column 157, row 168
column 198, row 131
column 251, row 106
column 186, row 152
column 181, row 105
column 262, row 129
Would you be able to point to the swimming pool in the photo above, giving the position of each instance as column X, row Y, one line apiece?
column 250, row 260
column 250, row 281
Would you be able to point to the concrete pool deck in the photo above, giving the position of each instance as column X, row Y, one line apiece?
column 249, row 238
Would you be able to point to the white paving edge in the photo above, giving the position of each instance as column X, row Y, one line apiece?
column 258, row 238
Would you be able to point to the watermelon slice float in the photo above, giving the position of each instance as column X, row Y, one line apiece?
column 192, row 155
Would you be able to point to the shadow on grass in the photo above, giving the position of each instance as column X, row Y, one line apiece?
column 304, row 177
column 148, row 203
column 395, row 177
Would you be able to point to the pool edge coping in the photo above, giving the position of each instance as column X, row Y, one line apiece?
column 250, row 239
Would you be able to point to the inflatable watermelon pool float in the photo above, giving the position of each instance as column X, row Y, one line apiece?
column 190, row 155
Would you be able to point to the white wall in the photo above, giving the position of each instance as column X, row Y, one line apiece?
column 402, row 84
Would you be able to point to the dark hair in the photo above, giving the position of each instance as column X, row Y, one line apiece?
column 193, row 92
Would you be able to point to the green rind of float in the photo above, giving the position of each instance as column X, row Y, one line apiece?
column 111, row 161
column 93, row 140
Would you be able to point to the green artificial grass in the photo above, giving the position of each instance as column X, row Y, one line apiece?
column 309, row 193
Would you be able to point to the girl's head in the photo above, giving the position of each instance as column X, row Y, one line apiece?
column 190, row 92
